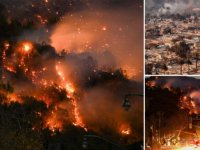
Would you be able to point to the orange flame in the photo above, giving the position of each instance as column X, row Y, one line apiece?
column 13, row 98
column 125, row 129
column 53, row 123
column 70, row 88
column 27, row 47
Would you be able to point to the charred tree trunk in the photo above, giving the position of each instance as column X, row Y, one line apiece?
column 197, row 59
column 181, row 68
column 181, row 62
column 196, row 64
column 189, row 63
column 156, row 70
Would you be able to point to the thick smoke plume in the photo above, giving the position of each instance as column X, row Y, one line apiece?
column 103, row 30
column 74, row 90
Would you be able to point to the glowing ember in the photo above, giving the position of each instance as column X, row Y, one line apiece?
column 10, row 68
column 27, row 47
column 53, row 123
column 70, row 88
column 42, row 20
column 125, row 130
column 104, row 28
column 186, row 102
column 6, row 45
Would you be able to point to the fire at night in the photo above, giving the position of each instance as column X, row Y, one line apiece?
column 172, row 37
column 66, row 67
column 172, row 113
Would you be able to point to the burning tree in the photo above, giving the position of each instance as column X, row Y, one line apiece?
column 178, row 100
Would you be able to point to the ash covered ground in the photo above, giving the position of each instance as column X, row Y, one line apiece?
column 172, row 37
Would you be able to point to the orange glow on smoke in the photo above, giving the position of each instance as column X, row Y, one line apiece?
column 104, row 28
column 69, row 87
column 13, row 98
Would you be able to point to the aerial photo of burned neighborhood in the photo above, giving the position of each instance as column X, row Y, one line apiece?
column 172, row 33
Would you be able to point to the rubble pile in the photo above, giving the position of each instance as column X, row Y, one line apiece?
column 172, row 44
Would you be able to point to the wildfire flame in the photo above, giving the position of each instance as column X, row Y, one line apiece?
column 27, row 47
column 53, row 123
column 54, row 119
column 70, row 88
column 125, row 129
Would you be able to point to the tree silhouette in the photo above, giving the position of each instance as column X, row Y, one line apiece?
column 148, row 68
column 160, row 65
column 189, row 62
column 182, row 49
column 196, row 57
column 181, row 62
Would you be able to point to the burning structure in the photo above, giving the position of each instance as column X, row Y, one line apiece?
column 64, row 69
column 172, row 37
column 172, row 116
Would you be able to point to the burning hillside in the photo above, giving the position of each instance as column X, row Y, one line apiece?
column 187, row 87
column 176, row 108
column 70, row 69
column 63, row 82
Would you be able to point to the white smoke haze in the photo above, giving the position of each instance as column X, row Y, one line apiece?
column 161, row 7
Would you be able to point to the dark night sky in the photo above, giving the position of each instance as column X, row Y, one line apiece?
column 22, row 8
